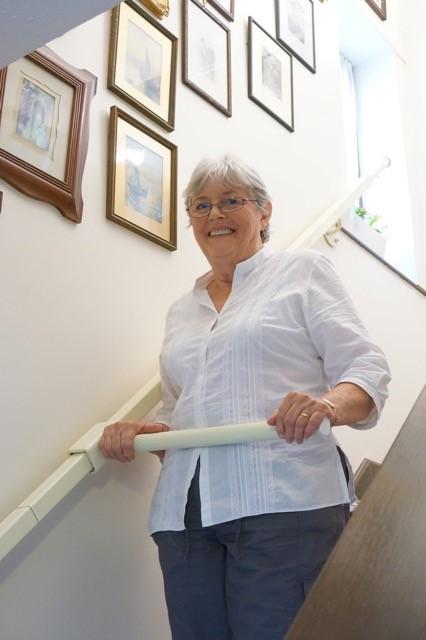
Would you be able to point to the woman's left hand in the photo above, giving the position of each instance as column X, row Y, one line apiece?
column 299, row 416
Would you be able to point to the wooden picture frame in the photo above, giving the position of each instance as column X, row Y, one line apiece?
column 159, row 8
column 379, row 7
column 270, row 75
column 295, row 23
column 225, row 7
column 142, row 180
column 206, row 56
column 44, row 129
column 142, row 63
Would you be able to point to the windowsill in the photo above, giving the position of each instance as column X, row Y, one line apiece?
column 419, row 288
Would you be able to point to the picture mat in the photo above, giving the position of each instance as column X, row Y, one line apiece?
column 296, row 18
column 128, row 15
column 283, row 107
column 200, row 26
column 124, row 130
column 53, row 162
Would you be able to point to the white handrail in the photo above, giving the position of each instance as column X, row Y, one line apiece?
column 85, row 456
column 323, row 223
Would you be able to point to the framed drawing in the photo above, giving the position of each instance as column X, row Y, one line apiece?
column 270, row 75
column 206, row 59
column 159, row 7
column 296, row 29
column 142, row 63
column 225, row 7
column 142, row 180
column 379, row 6
column 44, row 129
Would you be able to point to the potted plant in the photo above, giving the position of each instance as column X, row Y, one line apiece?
column 367, row 228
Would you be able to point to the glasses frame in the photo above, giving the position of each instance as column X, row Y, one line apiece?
column 218, row 205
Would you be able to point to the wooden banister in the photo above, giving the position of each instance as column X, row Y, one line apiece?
column 373, row 585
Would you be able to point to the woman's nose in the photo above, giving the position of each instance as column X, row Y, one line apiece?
column 215, row 212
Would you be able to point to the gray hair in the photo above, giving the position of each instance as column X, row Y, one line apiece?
column 234, row 173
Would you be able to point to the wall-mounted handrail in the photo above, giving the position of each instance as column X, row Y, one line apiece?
column 85, row 456
column 331, row 215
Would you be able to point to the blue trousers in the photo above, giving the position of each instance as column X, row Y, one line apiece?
column 244, row 579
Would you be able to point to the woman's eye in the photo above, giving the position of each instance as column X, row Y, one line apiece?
column 230, row 201
column 202, row 206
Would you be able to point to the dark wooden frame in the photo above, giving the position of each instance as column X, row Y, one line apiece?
column 64, row 195
column 112, row 66
column 116, row 113
column 307, row 64
column 381, row 11
column 227, row 110
column 228, row 14
column 251, row 95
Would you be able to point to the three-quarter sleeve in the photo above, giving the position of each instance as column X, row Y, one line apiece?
column 341, row 339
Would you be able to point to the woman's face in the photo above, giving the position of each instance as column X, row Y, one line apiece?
column 230, row 237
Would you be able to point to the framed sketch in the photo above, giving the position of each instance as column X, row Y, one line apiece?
column 142, row 180
column 270, row 75
column 159, row 7
column 44, row 129
column 379, row 6
column 296, row 29
column 142, row 63
column 206, row 59
column 225, row 7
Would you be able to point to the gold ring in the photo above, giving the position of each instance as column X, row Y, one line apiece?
column 305, row 415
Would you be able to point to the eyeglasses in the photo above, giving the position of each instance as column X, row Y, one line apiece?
column 226, row 205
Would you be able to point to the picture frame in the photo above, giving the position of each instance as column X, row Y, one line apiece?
column 295, row 24
column 379, row 7
column 225, row 7
column 270, row 75
column 142, row 63
column 142, row 180
column 159, row 8
column 44, row 129
column 206, row 56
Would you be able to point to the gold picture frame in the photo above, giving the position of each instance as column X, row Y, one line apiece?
column 142, row 63
column 159, row 7
column 142, row 180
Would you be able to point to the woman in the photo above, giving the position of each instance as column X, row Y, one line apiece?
column 243, row 530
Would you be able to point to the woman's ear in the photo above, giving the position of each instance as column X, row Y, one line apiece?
column 266, row 213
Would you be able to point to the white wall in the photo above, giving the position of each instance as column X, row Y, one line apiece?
column 82, row 314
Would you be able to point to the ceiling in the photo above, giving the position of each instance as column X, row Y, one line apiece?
column 26, row 25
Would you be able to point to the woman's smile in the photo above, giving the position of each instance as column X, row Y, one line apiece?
column 222, row 231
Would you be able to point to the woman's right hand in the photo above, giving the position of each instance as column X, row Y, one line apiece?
column 117, row 439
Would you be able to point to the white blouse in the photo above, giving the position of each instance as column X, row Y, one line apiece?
column 288, row 325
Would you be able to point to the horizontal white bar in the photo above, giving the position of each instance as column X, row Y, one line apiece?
column 211, row 436
column 58, row 485
column 14, row 528
column 323, row 223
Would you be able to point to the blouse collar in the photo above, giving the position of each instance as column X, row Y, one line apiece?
column 242, row 270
